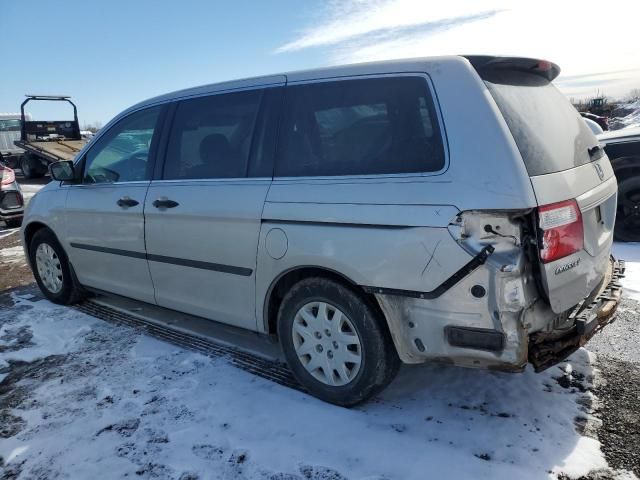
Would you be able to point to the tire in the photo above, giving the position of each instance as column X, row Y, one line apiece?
column 354, row 383
column 69, row 291
column 627, row 228
column 13, row 222
column 31, row 167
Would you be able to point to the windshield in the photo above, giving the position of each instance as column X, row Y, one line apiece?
column 549, row 132
column 10, row 125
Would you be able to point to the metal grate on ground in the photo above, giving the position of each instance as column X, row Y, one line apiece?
column 264, row 368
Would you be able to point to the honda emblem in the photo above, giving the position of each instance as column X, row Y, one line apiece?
column 599, row 171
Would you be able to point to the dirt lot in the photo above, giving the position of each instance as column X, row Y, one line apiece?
column 15, row 271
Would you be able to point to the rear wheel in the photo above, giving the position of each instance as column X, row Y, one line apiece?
column 335, row 343
column 32, row 167
column 52, row 270
column 627, row 228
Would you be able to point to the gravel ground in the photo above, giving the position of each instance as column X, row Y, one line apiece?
column 619, row 340
column 14, row 271
column 618, row 389
column 619, row 395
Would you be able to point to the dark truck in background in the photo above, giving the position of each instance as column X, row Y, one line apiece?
column 47, row 141
column 623, row 149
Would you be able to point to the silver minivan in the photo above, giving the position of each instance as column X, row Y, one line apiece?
column 453, row 209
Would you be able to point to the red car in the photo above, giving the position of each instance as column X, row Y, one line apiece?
column 11, row 199
column 602, row 121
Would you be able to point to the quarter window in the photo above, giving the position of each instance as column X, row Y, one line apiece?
column 211, row 136
column 360, row 127
column 122, row 153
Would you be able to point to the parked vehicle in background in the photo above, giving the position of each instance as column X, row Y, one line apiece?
column 10, row 127
column 600, row 120
column 600, row 106
column 47, row 141
column 623, row 149
column 11, row 199
column 352, row 213
column 593, row 126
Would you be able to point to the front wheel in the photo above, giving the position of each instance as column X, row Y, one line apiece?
column 52, row 270
column 627, row 228
column 335, row 343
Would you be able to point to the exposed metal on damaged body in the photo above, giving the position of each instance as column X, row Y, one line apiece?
column 351, row 213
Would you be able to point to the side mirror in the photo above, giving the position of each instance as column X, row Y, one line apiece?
column 62, row 171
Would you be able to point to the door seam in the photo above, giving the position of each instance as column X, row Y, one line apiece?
column 144, row 237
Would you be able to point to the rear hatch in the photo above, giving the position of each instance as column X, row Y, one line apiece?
column 571, row 176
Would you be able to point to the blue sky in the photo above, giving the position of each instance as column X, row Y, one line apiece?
column 109, row 55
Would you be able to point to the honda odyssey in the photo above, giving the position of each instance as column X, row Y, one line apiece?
column 453, row 209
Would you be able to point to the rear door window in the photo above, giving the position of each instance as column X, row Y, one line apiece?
column 211, row 136
column 549, row 132
column 360, row 127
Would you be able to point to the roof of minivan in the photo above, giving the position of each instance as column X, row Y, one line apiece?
column 368, row 68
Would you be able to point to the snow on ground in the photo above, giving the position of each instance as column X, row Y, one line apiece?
column 5, row 232
column 631, row 120
column 29, row 190
column 630, row 253
column 99, row 400
column 12, row 255
column 82, row 398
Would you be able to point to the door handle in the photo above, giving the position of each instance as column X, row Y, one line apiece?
column 164, row 202
column 125, row 202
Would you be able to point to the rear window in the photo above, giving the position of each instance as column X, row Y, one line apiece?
column 360, row 127
column 550, row 134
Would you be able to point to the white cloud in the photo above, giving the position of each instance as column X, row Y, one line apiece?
column 584, row 37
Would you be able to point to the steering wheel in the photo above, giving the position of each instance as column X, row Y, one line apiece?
column 102, row 175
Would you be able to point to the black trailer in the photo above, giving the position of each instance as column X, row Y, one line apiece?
column 48, row 141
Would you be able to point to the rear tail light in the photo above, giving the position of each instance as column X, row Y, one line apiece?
column 562, row 230
column 7, row 175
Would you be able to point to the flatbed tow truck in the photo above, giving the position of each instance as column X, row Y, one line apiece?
column 45, row 141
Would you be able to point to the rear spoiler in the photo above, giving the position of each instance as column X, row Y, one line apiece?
column 486, row 65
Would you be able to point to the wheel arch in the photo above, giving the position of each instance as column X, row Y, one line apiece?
column 286, row 279
column 29, row 232
column 31, row 229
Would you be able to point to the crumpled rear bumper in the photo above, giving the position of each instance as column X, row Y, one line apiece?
column 549, row 348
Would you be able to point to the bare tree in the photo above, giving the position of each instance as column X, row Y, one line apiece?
column 92, row 127
column 634, row 94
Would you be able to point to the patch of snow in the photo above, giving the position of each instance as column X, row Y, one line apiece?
column 630, row 253
column 12, row 255
column 631, row 120
column 6, row 232
column 119, row 403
